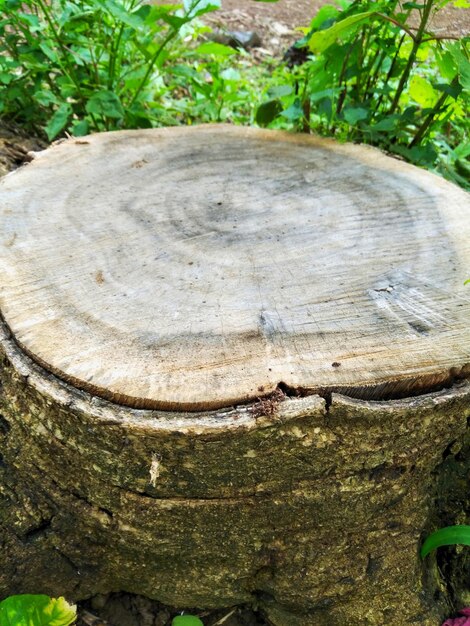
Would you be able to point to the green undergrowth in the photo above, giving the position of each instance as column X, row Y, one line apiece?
column 371, row 72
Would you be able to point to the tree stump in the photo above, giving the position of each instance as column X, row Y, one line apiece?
column 231, row 363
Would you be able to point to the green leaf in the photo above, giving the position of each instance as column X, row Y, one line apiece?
column 105, row 103
column 467, row 282
column 230, row 74
column 194, row 8
column 323, row 39
column 355, row 114
column 325, row 14
column 267, row 112
column 462, row 62
column 216, row 49
column 422, row 92
column 448, row 536
column 324, row 93
column 36, row 610
column 186, row 620
column 280, row 90
column 57, row 123
column 119, row 13
column 49, row 52
column 388, row 123
column 46, row 98
column 453, row 91
column 81, row 128
column 446, row 64
column 294, row 112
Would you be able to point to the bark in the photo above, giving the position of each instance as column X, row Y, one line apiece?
column 313, row 512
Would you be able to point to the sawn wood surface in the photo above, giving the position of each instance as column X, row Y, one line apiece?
column 196, row 268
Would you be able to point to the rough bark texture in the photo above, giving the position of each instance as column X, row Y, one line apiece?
column 312, row 512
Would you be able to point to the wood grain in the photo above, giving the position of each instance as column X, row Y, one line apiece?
column 195, row 268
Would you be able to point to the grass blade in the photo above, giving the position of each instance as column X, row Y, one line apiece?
column 447, row 536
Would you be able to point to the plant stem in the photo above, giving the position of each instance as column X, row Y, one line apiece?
column 417, row 40
column 171, row 35
column 390, row 71
column 423, row 129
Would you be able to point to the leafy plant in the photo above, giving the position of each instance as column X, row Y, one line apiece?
column 450, row 535
column 373, row 77
column 89, row 65
column 36, row 610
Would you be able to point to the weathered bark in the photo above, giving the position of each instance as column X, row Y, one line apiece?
column 310, row 502
column 313, row 513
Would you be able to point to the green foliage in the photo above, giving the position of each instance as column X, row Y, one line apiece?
column 186, row 620
column 373, row 78
column 90, row 65
column 448, row 536
column 36, row 610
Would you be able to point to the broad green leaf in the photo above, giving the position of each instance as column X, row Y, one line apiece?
column 81, row 128
column 324, row 93
column 105, row 103
column 280, row 90
column 46, row 97
column 448, row 536
column 467, row 282
column 230, row 74
column 6, row 78
column 267, row 112
column 216, row 49
column 388, row 123
column 462, row 62
column 294, row 112
column 325, row 13
column 57, row 123
column 451, row 90
column 118, row 11
column 355, row 114
column 36, row 610
column 446, row 64
column 323, row 39
column 194, row 8
column 461, row 4
column 422, row 92
column 186, row 620
column 49, row 52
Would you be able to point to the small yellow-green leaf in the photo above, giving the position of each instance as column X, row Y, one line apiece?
column 36, row 610
column 422, row 92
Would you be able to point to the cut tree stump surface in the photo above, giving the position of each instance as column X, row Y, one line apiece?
column 196, row 268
